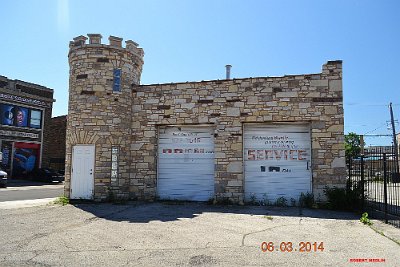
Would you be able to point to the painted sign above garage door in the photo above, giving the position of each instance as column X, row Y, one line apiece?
column 277, row 159
column 186, row 163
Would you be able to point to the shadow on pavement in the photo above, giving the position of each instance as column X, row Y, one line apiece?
column 139, row 212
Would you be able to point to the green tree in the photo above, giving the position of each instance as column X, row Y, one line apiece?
column 352, row 144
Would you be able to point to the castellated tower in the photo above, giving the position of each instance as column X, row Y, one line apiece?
column 99, row 134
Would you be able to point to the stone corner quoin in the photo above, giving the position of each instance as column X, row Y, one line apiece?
column 144, row 136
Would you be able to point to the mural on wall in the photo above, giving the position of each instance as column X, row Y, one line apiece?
column 6, row 147
column 26, row 158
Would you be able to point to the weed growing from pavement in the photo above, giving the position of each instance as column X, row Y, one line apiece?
column 306, row 200
column 260, row 202
column 253, row 199
column 265, row 200
column 116, row 200
column 281, row 202
column 268, row 217
column 364, row 219
column 349, row 198
column 222, row 201
column 173, row 202
column 62, row 200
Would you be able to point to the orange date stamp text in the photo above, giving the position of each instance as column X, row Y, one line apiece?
column 292, row 247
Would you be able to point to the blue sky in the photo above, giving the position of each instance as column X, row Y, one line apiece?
column 194, row 40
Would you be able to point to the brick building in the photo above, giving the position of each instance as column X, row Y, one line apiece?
column 25, row 113
column 57, row 136
column 236, row 139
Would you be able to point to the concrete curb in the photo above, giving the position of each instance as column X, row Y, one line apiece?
column 10, row 188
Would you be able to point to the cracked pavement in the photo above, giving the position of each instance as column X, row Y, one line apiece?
column 185, row 234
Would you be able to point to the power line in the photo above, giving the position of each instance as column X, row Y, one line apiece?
column 376, row 129
column 376, row 135
column 368, row 104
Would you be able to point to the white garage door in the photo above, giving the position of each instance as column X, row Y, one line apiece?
column 277, row 159
column 186, row 163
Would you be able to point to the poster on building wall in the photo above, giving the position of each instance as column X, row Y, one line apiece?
column 26, row 158
column 20, row 116
column 35, row 119
column 6, row 160
column 7, row 115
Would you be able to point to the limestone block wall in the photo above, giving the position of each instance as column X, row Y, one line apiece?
column 130, row 118
column 228, row 104
column 99, row 115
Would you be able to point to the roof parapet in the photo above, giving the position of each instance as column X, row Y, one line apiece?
column 94, row 38
column 114, row 41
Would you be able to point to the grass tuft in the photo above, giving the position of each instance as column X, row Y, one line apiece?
column 62, row 200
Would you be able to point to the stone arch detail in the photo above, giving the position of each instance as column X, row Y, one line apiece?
column 82, row 138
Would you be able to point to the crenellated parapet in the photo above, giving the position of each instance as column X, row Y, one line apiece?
column 94, row 40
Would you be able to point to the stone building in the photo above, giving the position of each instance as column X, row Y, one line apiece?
column 239, row 139
column 25, row 113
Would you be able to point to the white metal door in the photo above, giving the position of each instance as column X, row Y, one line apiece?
column 277, row 160
column 186, row 163
column 82, row 179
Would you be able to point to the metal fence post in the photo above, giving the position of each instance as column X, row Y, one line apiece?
column 350, row 167
column 385, row 186
column 362, row 183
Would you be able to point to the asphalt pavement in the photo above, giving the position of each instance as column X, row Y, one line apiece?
column 28, row 190
column 191, row 234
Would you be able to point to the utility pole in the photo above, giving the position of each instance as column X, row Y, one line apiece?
column 396, row 151
column 362, row 144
